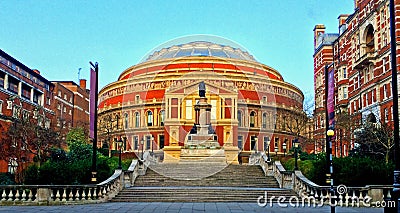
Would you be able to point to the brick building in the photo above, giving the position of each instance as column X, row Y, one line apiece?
column 360, row 56
column 25, row 94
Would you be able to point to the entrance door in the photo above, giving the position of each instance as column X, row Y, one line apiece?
column 253, row 143
column 161, row 141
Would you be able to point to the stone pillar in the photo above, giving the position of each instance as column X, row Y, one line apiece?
column 172, row 153
column 231, row 152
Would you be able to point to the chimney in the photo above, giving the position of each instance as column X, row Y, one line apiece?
column 319, row 30
column 82, row 83
column 342, row 19
column 36, row 71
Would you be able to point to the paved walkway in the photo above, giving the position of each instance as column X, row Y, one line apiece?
column 179, row 207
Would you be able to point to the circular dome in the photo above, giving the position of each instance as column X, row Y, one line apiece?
column 200, row 48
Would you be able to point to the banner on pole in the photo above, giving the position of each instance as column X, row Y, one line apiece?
column 92, row 108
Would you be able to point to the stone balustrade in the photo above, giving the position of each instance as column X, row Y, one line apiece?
column 367, row 196
column 73, row 194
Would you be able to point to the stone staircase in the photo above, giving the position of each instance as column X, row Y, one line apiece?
column 200, row 182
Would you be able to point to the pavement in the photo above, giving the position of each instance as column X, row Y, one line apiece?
column 181, row 207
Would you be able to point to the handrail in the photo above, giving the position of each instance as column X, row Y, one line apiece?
column 370, row 195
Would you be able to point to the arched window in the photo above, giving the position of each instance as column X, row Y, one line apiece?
column 161, row 117
column 239, row 117
column 149, row 118
column 137, row 119
column 126, row 121
column 264, row 120
column 117, row 121
column 252, row 118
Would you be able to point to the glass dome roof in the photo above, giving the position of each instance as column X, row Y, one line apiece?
column 200, row 48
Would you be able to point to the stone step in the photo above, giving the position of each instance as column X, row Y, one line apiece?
column 200, row 194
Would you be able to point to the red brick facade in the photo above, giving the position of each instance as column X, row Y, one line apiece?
column 361, row 55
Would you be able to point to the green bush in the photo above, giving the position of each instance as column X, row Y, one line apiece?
column 350, row 171
column 6, row 179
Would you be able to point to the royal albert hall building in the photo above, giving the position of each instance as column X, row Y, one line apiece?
column 151, row 105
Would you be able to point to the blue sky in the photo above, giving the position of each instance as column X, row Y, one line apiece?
column 59, row 37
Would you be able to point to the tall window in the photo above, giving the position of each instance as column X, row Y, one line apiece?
column 239, row 117
column 148, row 141
column 189, row 108
column 137, row 119
column 161, row 117
column 266, row 141
column 149, row 118
column 240, row 142
column 1, row 107
column 135, row 142
column 264, row 120
column 126, row 121
column 252, row 118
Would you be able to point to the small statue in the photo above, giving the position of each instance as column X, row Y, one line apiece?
column 194, row 129
column 202, row 89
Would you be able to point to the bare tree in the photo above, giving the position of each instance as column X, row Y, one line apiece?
column 106, row 127
column 28, row 136
column 374, row 138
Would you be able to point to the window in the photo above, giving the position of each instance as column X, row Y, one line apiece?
column 239, row 117
column 2, row 76
column 70, row 99
column 161, row 117
column 13, row 85
column 266, row 141
column 25, row 114
column 65, row 97
column 126, row 121
column 345, row 93
column 386, row 115
column 240, row 142
column 148, row 142
column 16, row 111
column 149, row 118
column 264, row 98
column 252, row 119
column 1, row 107
column 70, row 112
column 65, row 109
column 59, row 93
column 344, row 73
column 58, row 106
column 137, row 119
column 135, row 142
column 48, row 101
column 137, row 99
column 12, row 165
column 264, row 120
column 189, row 108
column 276, row 144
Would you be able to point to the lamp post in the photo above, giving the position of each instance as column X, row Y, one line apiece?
column 284, row 149
column 268, row 144
column 142, row 144
column 119, row 143
column 296, row 144
column 395, row 95
column 329, row 179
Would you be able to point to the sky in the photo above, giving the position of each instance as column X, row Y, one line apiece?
column 59, row 37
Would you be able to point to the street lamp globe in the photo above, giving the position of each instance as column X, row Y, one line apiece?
column 330, row 133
